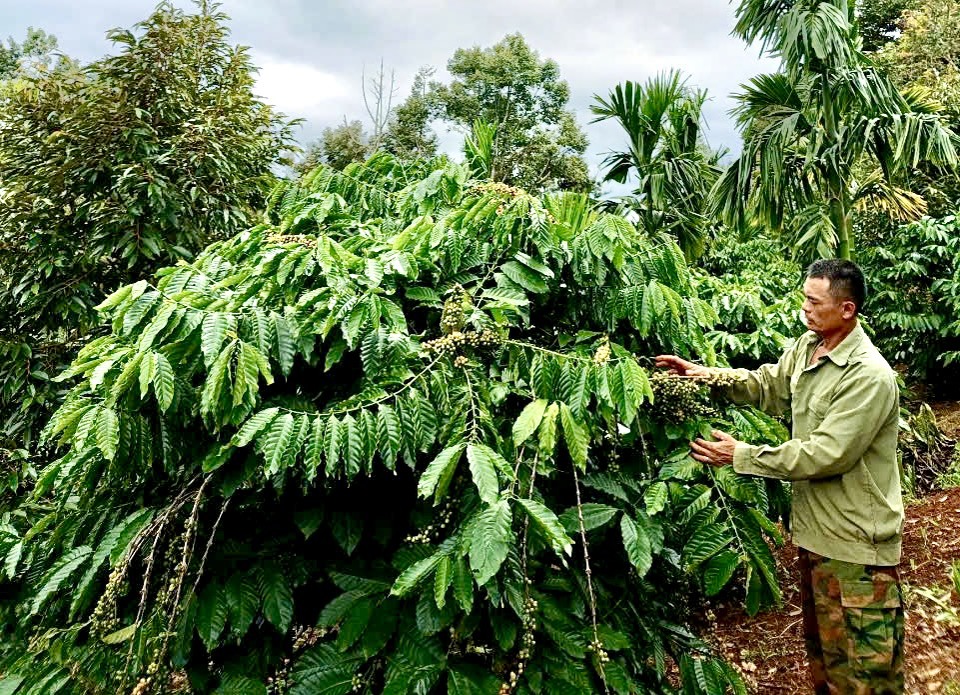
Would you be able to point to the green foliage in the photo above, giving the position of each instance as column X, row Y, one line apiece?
column 925, row 57
column 753, row 288
column 827, row 135
column 667, row 153
column 33, row 53
column 406, row 409
column 538, row 144
column 337, row 147
column 880, row 21
column 915, row 301
column 110, row 171
column 408, row 134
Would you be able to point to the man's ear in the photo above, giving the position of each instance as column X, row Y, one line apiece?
column 848, row 309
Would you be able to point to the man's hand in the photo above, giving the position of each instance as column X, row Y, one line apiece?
column 717, row 453
column 677, row 365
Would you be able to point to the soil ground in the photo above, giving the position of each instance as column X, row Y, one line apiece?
column 768, row 648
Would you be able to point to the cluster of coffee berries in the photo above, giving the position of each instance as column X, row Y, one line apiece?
column 143, row 686
column 304, row 637
column 527, row 643
column 602, row 355
column 455, row 307
column 301, row 239
column 596, row 646
column 457, row 341
column 678, row 398
column 720, row 378
column 498, row 188
column 431, row 531
column 104, row 618
column 280, row 681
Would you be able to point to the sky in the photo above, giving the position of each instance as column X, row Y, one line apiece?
column 311, row 55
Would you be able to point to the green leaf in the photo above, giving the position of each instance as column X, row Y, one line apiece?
column 107, row 431
column 436, row 478
column 637, row 544
column 595, row 515
column 122, row 532
column 576, row 437
column 129, row 531
column 489, row 539
column 441, row 581
column 324, row 670
column 212, row 613
column 529, row 421
column 462, row 584
column 55, row 578
column 548, row 430
column 286, row 347
column 275, row 443
column 148, row 369
column 355, row 622
column 121, row 635
column 718, row 571
column 706, row 542
column 549, row 525
column 484, row 471
column 254, row 426
column 655, row 498
column 213, row 332
column 242, row 592
column 468, row 679
column 414, row 574
column 163, row 382
column 277, row 597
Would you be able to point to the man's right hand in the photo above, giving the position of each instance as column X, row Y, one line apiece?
column 680, row 366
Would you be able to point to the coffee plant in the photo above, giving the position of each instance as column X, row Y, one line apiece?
column 400, row 437
column 915, row 274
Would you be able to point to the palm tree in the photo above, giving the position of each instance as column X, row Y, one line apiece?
column 826, row 135
column 667, row 154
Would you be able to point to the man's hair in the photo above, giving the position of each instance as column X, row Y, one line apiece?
column 846, row 279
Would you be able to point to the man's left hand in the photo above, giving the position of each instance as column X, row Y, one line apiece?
column 716, row 453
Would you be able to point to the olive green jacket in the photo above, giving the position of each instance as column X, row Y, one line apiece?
column 847, row 502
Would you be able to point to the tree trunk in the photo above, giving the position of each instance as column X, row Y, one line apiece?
column 843, row 225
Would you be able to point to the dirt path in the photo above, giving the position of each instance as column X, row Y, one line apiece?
column 768, row 648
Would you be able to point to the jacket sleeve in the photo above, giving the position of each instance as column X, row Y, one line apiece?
column 767, row 387
column 860, row 407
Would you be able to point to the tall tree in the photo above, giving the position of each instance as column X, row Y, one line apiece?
column 880, row 21
column 16, row 57
column 810, row 128
column 926, row 56
column 337, row 147
column 666, row 154
column 408, row 134
column 538, row 144
column 112, row 170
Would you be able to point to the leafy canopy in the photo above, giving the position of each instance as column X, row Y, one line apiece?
column 828, row 134
column 395, row 438
column 538, row 144
column 112, row 170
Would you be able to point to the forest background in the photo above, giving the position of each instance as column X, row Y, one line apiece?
column 219, row 349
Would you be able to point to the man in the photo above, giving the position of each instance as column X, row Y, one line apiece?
column 847, row 515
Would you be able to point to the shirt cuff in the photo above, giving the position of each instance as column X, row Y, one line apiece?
column 743, row 458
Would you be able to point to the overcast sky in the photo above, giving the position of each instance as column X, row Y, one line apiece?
column 311, row 54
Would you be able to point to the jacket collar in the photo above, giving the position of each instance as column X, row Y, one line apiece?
column 842, row 354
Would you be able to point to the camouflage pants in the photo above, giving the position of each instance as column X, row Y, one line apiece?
column 852, row 625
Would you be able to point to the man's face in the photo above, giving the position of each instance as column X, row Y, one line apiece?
column 825, row 313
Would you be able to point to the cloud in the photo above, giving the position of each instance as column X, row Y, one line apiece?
column 301, row 89
column 311, row 53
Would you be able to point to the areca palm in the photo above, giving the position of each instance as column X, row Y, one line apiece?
column 812, row 127
column 667, row 154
